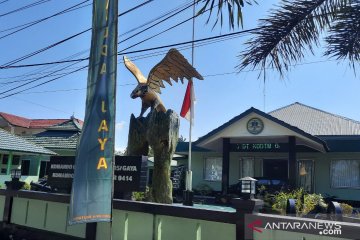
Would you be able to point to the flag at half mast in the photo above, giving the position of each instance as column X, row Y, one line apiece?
column 91, row 195
column 187, row 109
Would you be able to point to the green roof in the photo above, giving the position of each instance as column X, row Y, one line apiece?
column 70, row 125
column 184, row 147
column 315, row 121
column 54, row 139
column 343, row 143
column 10, row 142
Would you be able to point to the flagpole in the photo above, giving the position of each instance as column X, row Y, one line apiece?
column 192, row 100
column 188, row 194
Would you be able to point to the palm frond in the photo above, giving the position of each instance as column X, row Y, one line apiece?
column 282, row 39
column 343, row 41
column 233, row 8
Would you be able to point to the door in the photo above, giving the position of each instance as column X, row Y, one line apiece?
column 25, row 167
column 275, row 169
column 43, row 168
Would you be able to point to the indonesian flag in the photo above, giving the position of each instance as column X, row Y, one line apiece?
column 187, row 109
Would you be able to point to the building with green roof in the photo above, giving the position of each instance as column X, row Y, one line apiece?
column 61, row 138
column 298, row 145
column 19, row 153
column 28, row 144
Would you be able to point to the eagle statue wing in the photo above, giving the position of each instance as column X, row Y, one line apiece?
column 134, row 70
column 173, row 66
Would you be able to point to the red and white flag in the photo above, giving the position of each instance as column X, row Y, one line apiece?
column 187, row 109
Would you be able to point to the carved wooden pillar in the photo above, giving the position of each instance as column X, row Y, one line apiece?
column 137, row 142
column 162, row 135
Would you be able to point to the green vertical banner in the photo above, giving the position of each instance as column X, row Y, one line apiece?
column 91, row 194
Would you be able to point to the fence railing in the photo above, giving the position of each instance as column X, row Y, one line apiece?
column 48, row 213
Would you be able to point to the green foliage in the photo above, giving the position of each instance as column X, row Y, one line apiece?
column 311, row 201
column 281, row 198
column 293, row 28
column 346, row 209
column 142, row 196
column 305, row 202
column 269, row 199
column 26, row 186
column 204, row 189
column 233, row 8
column 262, row 188
column 182, row 139
column 296, row 27
column 261, row 192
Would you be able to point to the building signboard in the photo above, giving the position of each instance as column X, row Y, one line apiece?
column 259, row 147
column 130, row 173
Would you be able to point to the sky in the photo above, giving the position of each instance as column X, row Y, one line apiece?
column 223, row 94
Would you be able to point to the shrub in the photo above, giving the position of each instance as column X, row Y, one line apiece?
column 142, row 196
column 346, row 209
column 305, row 203
column 26, row 186
column 261, row 191
column 280, row 200
column 311, row 201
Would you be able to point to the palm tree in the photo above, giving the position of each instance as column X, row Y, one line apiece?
column 232, row 6
column 296, row 26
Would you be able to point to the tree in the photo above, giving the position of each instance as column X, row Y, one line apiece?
column 182, row 139
column 296, row 26
column 232, row 6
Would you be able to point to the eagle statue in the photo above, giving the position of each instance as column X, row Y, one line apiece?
column 172, row 66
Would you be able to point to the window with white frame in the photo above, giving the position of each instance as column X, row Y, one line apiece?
column 305, row 176
column 345, row 173
column 213, row 169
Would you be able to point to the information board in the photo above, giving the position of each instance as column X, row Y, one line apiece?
column 130, row 173
column 61, row 173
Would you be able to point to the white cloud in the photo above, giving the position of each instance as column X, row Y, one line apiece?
column 120, row 148
column 120, row 125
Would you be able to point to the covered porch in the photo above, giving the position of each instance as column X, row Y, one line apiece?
column 261, row 146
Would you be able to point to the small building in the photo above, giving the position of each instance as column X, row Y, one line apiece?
column 302, row 145
column 61, row 138
column 18, row 153
column 56, row 136
column 24, row 126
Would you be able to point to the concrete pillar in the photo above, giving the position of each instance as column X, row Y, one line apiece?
column 225, row 166
column 9, row 163
column 292, row 162
column 244, row 209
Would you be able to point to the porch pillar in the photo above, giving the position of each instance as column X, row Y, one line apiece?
column 9, row 163
column 225, row 166
column 292, row 162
